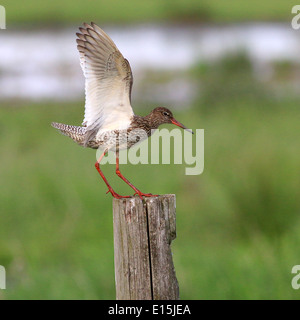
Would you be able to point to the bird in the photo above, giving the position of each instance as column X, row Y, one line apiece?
column 109, row 119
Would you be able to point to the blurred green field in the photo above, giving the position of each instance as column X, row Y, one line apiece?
column 35, row 12
column 237, row 223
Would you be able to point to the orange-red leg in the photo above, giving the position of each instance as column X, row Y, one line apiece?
column 137, row 191
column 110, row 189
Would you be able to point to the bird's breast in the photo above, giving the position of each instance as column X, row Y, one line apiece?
column 121, row 139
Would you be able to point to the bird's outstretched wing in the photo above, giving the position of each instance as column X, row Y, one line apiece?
column 108, row 81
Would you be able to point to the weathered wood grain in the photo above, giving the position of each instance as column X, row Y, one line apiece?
column 162, row 230
column 143, row 231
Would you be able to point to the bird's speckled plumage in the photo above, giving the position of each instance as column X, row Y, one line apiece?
column 140, row 128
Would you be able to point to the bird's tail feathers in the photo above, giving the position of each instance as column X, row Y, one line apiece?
column 74, row 132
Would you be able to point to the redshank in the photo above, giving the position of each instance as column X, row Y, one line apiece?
column 109, row 118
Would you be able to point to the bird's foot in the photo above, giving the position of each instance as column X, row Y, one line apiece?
column 141, row 194
column 116, row 195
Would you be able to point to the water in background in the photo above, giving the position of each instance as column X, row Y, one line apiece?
column 39, row 65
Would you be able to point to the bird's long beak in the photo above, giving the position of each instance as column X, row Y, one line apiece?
column 177, row 123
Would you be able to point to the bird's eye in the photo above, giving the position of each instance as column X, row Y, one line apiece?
column 166, row 113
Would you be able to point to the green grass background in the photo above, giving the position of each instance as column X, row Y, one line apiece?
column 237, row 224
column 58, row 12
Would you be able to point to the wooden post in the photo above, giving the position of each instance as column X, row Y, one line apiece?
column 143, row 232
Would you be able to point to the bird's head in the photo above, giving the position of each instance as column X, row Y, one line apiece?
column 161, row 115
